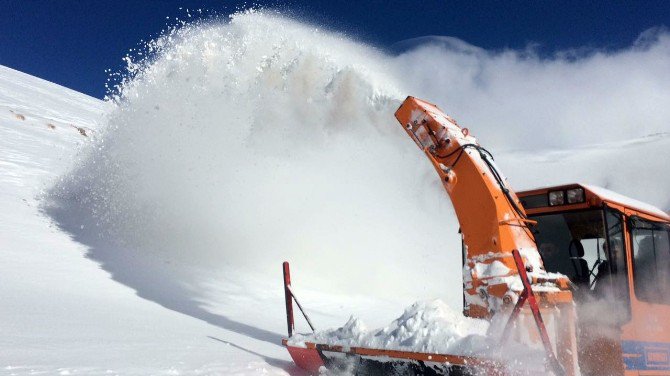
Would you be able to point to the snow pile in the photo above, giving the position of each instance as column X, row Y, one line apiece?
column 427, row 326
column 434, row 327
column 496, row 268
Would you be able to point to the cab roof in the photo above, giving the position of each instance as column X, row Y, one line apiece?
column 603, row 194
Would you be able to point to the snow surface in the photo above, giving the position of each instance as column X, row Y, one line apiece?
column 152, row 245
column 64, row 312
column 61, row 312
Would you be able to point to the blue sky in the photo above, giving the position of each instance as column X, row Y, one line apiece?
column 72, row 42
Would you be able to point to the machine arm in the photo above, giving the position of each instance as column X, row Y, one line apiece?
column 492, row 219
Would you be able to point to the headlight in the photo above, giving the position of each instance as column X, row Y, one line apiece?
column 575, row 195
column 556, row 198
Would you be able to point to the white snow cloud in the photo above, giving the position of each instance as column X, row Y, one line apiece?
column 517, row 99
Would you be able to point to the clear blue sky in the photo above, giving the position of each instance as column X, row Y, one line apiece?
column 73, row 42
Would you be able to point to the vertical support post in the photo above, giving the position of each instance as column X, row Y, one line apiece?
column 528, row 296
column 289, row 298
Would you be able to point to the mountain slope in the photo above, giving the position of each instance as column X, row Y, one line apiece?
column 62, row 313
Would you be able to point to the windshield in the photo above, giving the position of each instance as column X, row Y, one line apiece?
column 586, row 246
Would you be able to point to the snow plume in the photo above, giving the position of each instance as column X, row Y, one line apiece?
column 244, row 143
column 260, row 140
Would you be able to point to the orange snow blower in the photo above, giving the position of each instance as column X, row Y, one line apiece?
column 593, row 267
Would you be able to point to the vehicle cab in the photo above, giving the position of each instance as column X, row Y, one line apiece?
column 616, row 251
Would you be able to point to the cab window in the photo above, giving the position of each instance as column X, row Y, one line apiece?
column 587, row 247
column 651, row 260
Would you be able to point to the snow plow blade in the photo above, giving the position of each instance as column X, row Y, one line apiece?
column 312, row 357
column 366, row 361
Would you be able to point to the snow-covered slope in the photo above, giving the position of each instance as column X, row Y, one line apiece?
column 61, row 312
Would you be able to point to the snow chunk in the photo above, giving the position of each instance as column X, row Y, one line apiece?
column 533, row 259
column 494, row 269
column 429, row 326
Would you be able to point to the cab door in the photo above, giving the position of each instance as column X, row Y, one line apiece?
column 646, row 340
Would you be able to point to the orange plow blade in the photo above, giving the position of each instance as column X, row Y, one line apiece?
column 367, row 361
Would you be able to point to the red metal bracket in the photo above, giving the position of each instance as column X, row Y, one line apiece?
column 290, row 297
column 527, row 295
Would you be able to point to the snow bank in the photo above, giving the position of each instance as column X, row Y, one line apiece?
column 427, row 326
column 436, row 328
column 62, row 314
